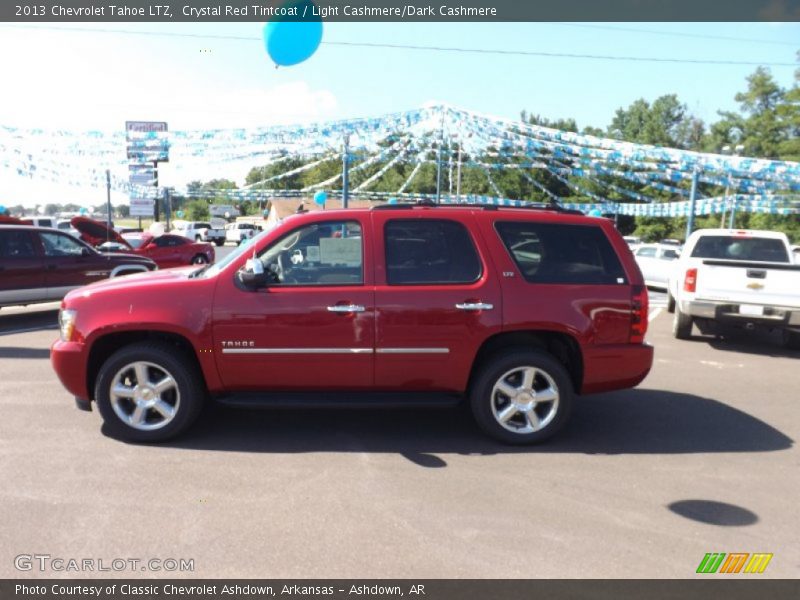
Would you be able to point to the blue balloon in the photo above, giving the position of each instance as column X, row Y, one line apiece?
column 2, row 209
column 320, row 197
column 180, row 214
column 291, row 42
column 392, row 200
column 83, row 210
column 595, row 212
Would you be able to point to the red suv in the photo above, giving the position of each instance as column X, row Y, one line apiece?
column 515, row 310
column 39, row 264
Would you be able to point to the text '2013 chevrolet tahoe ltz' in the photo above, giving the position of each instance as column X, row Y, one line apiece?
column 515, row 310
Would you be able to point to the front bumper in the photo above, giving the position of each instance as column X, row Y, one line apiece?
column 732, row 313
column 69, row 362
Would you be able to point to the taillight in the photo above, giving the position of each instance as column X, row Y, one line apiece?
column 690, row 280
column 639, row 306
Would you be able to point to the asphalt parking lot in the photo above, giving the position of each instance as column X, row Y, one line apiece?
column 642, row 483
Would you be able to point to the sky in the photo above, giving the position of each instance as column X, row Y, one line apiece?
column 95, row 76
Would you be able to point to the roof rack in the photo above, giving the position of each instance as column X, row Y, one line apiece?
column 484, row 206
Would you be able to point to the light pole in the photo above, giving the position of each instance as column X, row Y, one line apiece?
column 345, row 169
column 727, row 150
column 458, row 169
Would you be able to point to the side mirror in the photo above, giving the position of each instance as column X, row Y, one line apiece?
column 252, row 275
column 85, row 252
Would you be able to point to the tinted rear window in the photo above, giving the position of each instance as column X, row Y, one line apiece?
column 729, row 247
column 430, row 251
column 556, row 253
column 15, row 243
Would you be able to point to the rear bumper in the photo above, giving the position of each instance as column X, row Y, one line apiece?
column 731, row 312
column 615, row 367
column 69, row 362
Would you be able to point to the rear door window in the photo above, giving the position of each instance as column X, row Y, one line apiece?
column 16, row 244
column 430, row 252
column 558, row 253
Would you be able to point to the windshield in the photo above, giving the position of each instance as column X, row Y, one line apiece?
column 741, row 248
column 135, row 242
column 244, row 248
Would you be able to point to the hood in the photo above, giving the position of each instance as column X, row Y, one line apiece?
column 95, row 233
column 140, row 281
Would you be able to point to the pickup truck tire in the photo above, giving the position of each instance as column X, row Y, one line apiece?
column 681, row 325
column 670, row 302
column 162, row 407
column 219, row 242
column 521, row 396
column 198, row 238
column 791, row 339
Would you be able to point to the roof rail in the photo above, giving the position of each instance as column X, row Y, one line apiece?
column 484, row 206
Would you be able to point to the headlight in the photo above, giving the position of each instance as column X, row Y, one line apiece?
column 66, row 322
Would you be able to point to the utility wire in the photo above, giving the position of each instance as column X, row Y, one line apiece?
column 702, row 36
column 485, row 51
column 561, row 54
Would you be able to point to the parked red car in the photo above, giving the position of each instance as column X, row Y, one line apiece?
column 511, row 310
column 166, row 250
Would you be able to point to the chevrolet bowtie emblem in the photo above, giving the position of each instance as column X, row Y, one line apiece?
column 755, row 286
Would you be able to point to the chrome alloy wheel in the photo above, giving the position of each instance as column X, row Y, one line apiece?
column 525, row 400
column 144, row 396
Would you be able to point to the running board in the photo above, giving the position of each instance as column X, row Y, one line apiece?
column 339, row 400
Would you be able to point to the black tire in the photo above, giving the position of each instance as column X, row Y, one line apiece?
column 508, row 367
column 187, row 397
column 791, row 339
column 681, row 324
column 219, row 242
column 670, row 302
column 200, row 259
column 198, row 238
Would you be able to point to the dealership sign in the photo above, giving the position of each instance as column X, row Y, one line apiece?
column 147, row 145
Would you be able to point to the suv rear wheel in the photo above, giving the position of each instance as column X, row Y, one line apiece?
column 148, row 392
column 522, row 397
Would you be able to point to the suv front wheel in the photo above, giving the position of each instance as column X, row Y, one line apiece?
column 148, row 392
column 522, row 397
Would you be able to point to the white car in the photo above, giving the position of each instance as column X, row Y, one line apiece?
column 656, row 262
column 632, row 241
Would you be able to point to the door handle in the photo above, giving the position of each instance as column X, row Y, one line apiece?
column 474, row 306
column 346, row 308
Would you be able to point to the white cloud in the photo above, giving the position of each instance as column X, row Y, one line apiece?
column 70, row 81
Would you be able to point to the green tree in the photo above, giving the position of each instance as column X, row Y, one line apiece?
column 665, row 122
column 197, row 210
column 762, row 132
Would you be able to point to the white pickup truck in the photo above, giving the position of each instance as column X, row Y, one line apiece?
column 736, row 277
column 199, row 231
column 240, row 232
